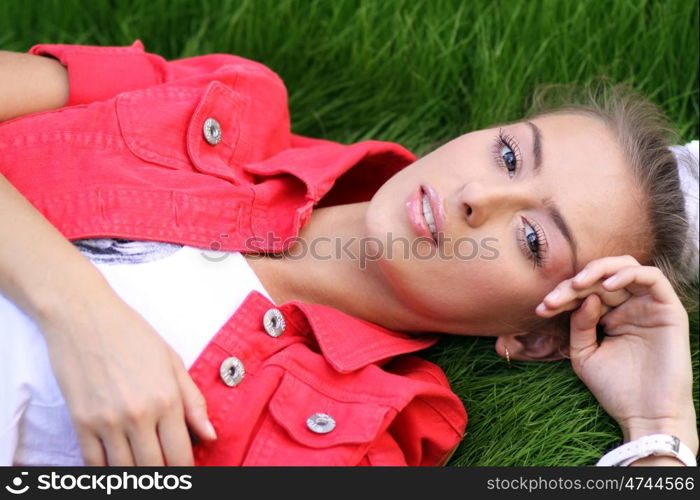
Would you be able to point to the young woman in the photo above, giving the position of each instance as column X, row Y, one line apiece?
column 337, row 259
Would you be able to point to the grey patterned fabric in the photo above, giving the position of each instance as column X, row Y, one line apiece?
column 120, row 251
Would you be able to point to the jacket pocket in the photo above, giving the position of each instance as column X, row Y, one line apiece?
column 165, row 126
column 305, row 426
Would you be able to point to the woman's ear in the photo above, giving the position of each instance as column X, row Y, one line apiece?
column 548, row 342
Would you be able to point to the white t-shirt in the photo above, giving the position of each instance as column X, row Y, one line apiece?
column 185, row 293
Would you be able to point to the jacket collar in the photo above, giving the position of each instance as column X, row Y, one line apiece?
column 321, row 166
column 349, row 343
column 324, row 174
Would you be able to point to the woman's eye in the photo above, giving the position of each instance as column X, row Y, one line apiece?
column 509, row 160
column 507, row 153
column 531, row 240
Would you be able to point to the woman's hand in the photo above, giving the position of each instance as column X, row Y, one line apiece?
column 641, row 372
column 128, row 392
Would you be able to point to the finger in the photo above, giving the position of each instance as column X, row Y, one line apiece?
column 175, row 440
column 562, row 297
column 582, row 339
column 91, row 448
column 570, row 299
column 601, row 268
column 562, row 294
column 562, row 300
column 195, row 406
column 146, row 447
column 641, row 280
column 118, row 450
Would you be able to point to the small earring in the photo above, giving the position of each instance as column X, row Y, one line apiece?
column 563, row 354
column 507, row 356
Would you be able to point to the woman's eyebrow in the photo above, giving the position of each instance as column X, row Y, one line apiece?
column 536, row 145
column 559, row 221
column 551, row 207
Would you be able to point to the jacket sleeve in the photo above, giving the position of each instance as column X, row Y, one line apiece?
column 428, row 430
column 99, row 73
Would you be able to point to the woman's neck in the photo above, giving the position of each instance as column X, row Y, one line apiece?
column 329, row 264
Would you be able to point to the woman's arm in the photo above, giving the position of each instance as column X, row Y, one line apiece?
column 128, row 393
column 30, row 84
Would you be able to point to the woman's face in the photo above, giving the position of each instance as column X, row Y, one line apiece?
column 519, row 208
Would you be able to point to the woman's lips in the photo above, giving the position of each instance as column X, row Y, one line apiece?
column 416, row 216
column 436, row 206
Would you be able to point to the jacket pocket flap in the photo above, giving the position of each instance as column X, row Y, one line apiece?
column 224, row 159
column 318, row 420
column 149, row 120
column 165, row 125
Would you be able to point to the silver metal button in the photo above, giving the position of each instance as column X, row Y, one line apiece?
column 274, row 323
column 232, row 371
column 212, row 131
column 320, row 423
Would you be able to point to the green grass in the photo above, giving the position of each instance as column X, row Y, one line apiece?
column 420, row 72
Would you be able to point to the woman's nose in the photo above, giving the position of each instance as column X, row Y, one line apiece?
column 482, row 201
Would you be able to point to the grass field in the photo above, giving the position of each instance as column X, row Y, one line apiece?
column 420, row 72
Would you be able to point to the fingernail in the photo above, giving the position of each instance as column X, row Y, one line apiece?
column 582, row 275
column 541, row 308
column 552, row 295
column 610, row 280
column 210, row 430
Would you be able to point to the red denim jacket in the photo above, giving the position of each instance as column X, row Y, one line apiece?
column 128, row 157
